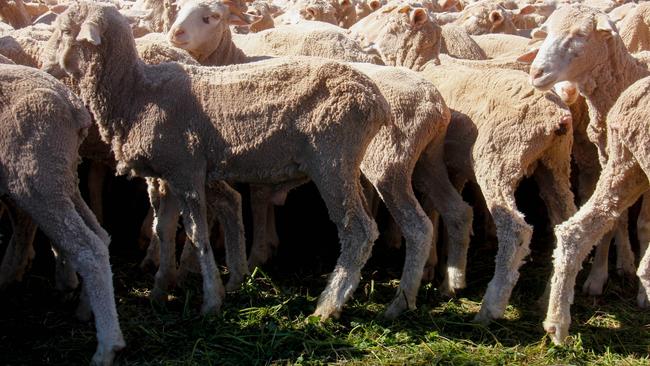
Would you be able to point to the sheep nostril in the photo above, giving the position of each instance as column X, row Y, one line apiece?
column 179, row 32
column 535, row 72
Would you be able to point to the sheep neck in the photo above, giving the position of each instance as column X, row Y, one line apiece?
column 111, row 79
column 225, row 52
column 609, row 79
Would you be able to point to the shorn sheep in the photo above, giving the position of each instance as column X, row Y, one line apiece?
column 231, row 121
column 419, row 120
column 44, row 124
column 601, row 67
column 496, row 139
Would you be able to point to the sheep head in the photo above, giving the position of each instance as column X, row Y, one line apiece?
column 201, row 24
column 576, row 38
column 487, row 17
column 401, row 34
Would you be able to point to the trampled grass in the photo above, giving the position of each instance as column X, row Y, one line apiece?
column 267, row 321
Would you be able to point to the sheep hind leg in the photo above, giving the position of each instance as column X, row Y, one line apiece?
column 260, row 205
column 439, row 194
column 228, row 210
column 192, row 198
column 166, row 213
column 88, row 254
column 625, row 266
column 341, row 192
column 620, row 184
column 151, row 260
column 514, row 236
column 598, row 274
column 396, row 192
column 643, row 271
column 20, row 250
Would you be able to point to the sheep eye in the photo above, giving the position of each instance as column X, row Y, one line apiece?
column 206, row 20
column 216, row 16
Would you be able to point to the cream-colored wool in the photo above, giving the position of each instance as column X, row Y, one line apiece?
column 499, row 45
column 635, row 28
column 456, row 42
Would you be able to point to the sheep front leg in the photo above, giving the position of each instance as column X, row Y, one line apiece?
column 260, row 206
column 341, row 192
column 620, row 184
column 166, row 214
column 598, row 274
column 624, row 254
column 643, row 230
column 191, row 196
column 514, row 236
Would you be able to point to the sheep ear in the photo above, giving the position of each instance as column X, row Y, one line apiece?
column 446, row 4
column 404, row 9
column 528, row 57
column 345, row 2
column 419, row 17
column 90, row 33
column 496, row 17
column 374, row 4
column 604, row 25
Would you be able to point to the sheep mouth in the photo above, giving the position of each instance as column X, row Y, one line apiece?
column 543, row 82
column 177, row 43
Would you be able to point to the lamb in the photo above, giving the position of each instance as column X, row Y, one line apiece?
column 40, row 179
column 325, row 142
column 535, row 129
column 602, row 68
column 411, row 132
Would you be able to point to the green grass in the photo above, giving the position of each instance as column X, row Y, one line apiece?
column 268, row 322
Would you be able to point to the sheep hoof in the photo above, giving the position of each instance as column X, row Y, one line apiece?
column 593, row 286
column 234, row 283
column 397, row 307
column 326, row 312
column 557, row 331
column 483, row 316
column 210, row 309
column 104, row 356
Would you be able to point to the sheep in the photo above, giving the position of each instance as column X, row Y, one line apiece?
column 486, row 17
column 309, row 10
column 44, row 126
column 308, row 104
column 389, row 160
column 623, row 180
column 309, row 39
column 635, row 29
column 601, row 67
column 151, row 16
column 403, row 35
column 535, row 130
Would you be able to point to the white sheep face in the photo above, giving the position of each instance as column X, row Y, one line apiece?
column 197, row 23
column 575, row 40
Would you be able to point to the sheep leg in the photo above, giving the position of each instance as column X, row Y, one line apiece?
column 514, row 236
column 643, row 231
column 598, row 274
column 624, row 255
column 152, row 258
column 621, row 183
column 191, row 195
column 260, row 206
column 271, row 232
column 228, row 210
column 165, row 222
column 341, row 192
column 58, row 219
column 20, row 250
column 438, row 193
column 429, row 273
column 396, row 191
column 96, row 175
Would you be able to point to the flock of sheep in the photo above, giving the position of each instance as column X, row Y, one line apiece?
column 369, row 100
